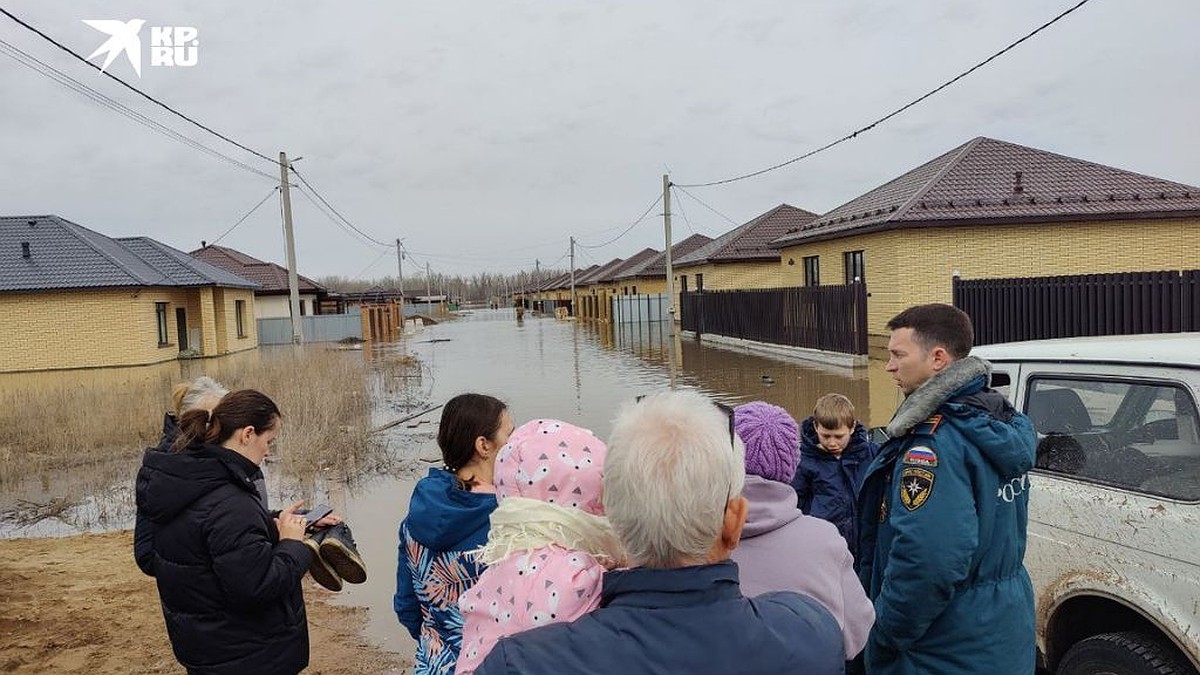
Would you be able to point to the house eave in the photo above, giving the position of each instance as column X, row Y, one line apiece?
column 887, row 226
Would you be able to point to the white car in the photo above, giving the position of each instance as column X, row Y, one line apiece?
column 1114, row 523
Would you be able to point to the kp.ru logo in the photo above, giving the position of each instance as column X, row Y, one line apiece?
column 169, row 45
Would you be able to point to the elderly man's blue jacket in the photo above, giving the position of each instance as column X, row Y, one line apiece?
column 942, row 517
column 688, row 620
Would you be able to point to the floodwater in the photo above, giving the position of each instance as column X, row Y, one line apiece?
column 541, row 367
column 577, row 372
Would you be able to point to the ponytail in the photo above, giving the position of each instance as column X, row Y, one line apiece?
column 241, row 409
column 193, row 426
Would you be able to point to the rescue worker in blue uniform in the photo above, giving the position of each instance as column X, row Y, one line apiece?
column 943, row 510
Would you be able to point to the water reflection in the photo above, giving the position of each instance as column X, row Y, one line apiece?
column 737, row 376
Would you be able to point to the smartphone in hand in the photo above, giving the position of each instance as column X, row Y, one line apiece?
column 316, row 513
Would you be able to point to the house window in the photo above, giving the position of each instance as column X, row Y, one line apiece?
column 635, row 290
column 683, row 283
column 160, row 313
column 699, row 282
column 239, row 311
column 302, row 310
column 812, row 270
column 855, row 270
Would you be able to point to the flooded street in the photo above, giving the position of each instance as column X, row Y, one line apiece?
column 566, row 370
column 540, row 367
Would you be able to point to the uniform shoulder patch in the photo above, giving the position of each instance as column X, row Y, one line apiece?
column 929, row 426
column 915, row 487
column 920, row 455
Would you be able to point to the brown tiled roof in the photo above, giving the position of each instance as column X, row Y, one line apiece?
column 555, row 282
column 598, row 273
column 990, row 181
column 565, row 280
column 271, row 278
column 634, row 261
column 657, row 266
column 750, row 242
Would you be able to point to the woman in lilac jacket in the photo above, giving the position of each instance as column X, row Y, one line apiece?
column 781, row 548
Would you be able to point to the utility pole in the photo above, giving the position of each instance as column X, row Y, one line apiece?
column 572, row 276
column 293, row 280
column 670, row 273
column 428, row 289
column 400, row 266
column 536, row 286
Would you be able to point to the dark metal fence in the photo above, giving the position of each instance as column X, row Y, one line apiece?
column 1034, row 308
column 829, row 318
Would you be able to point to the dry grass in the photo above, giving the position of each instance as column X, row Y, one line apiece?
column 67, row 421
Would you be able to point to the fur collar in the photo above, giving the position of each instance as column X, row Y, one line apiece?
column 934, row 392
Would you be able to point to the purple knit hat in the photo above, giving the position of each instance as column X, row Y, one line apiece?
column 772, row 440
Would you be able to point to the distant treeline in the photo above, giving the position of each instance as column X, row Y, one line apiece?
column 482, row 286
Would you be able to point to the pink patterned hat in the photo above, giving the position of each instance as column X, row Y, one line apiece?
column 553, row 461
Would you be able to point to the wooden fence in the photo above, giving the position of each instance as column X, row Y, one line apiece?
column 1034, row 308
column 829, row 318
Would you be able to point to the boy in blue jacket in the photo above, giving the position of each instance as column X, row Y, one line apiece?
column 834, row 453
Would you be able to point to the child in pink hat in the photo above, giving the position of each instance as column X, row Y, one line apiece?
column 549, row 542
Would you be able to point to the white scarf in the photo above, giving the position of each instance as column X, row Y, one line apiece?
column 522, row 524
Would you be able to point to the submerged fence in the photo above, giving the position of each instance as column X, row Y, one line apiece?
column 645, row 308
column 320, row 328
column 829, row 318
column 1034, row 308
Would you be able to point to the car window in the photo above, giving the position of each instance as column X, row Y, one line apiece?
column 1144, row 436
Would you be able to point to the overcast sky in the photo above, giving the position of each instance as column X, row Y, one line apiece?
column 485, row 133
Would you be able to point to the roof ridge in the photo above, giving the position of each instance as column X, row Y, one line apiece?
column 963, row 150
column 1089, row 162
column 72, row 228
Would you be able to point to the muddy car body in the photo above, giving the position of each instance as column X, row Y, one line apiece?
column 1114, row 527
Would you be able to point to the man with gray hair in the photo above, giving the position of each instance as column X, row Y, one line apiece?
column 673, row 492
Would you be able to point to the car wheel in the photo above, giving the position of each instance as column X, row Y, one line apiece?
column 1125, row 653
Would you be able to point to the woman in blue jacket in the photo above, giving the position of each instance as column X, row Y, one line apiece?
column 448, row 517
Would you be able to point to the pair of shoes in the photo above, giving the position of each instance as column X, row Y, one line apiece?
column 335, row 557
column 320, row 570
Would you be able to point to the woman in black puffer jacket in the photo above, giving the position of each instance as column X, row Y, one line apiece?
column 228, row 573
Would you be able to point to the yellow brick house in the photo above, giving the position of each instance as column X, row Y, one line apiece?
column 71, row 297
column 649, row 276
column 741, row 258
column 991, row 209
column 592, row 293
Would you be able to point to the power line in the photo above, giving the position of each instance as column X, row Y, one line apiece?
column 682, row 211
column 243, row 218
column 897, row 111
column 583, row 253
column 134, row 89
column 335, row 211
column 705, row 205
column 373, row 263
column 350, row 231
column 627, row 230
column 59, row 77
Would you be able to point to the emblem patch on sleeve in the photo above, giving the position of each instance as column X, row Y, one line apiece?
column 920, row 455
column 915, row 487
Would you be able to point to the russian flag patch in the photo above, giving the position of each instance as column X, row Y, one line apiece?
column 920, row 455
